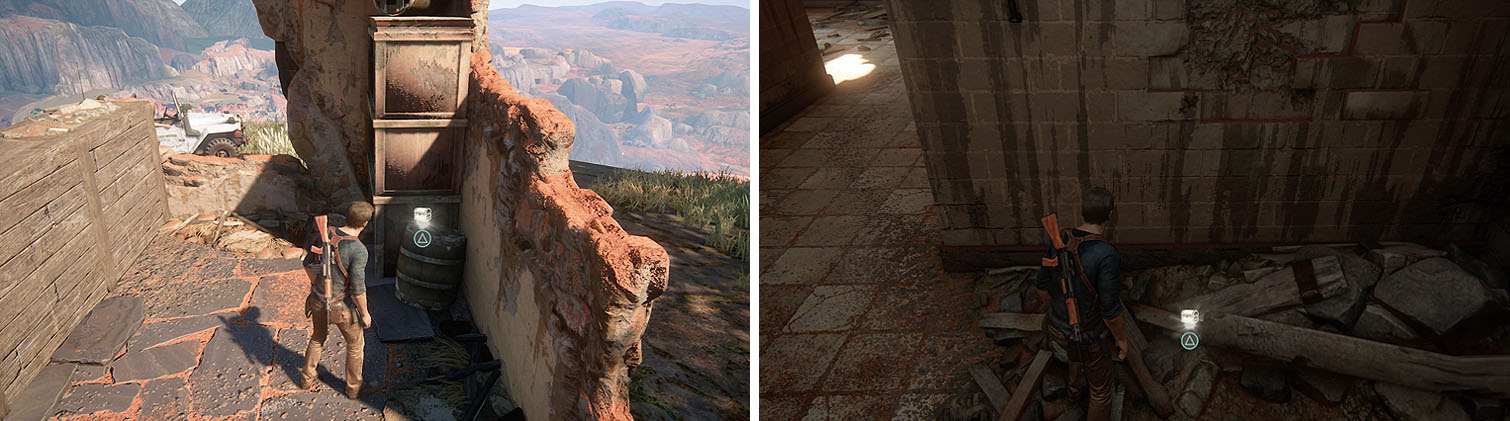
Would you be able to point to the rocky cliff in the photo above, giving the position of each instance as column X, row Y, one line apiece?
column 230, row 59
column 226, row 18
column 46, row 56
column 160, row 21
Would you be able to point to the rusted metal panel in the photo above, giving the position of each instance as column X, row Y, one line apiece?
column 418, row 157
column 420, row 67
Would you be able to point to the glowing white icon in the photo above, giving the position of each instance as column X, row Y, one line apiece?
column 1189, row 318
column 422, row 217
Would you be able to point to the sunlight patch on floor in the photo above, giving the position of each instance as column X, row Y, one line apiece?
column 848, row 67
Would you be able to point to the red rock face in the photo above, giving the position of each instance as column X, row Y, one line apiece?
column 594, row 282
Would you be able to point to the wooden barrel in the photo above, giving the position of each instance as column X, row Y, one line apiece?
column 406, row 7
column 430, row 266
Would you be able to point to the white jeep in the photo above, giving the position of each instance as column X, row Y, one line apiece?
column 216, row 134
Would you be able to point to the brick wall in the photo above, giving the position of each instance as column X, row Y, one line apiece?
column 79, row 207
column 791, row 69
column 1210, row 122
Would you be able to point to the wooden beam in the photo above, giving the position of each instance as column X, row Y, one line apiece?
column 1486, row 376
column 1158, row 398
column 1031, row 322
column 1027, row 387
column 1272, row 292
column 989, row 384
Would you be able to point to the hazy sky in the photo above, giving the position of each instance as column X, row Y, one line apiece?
column 498, row 4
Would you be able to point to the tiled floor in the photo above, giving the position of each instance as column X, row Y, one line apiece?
column 858, row 320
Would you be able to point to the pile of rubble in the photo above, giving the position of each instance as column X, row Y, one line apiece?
column 853, row 28
column 58, row 120
column 249, row 184
column 1363, row 331
column 263, row 236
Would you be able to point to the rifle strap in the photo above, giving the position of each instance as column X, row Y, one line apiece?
column 335, row 257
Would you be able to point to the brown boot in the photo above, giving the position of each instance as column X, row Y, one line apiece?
column 307, row 382
column 367, row 388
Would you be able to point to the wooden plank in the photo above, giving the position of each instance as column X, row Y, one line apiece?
column 132, row 215
column 1158, row 398
column 38, row 194
column 118, row 206
column 129, row 114
column 27, row 321
column 121, row 142
column 1031, row 322
column 127, row 182
column 39, row 281
column 86, row 164
column 1272, row 292
column 20, row 331
column 15, row 239
column 1027, row 387
column 108, row 172
column 991, row 386
column 135, row 241
column 1482, row 376
column 29, row 161
column 36, row 253
column 389, row 200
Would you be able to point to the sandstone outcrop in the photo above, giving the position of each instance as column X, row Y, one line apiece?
column 47, row 56
column 329, row 119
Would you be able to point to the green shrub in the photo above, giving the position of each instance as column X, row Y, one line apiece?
column 715, row 202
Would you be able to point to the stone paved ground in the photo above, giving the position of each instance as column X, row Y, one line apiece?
column 697, row 347
column 858, row 319
column 223, row 338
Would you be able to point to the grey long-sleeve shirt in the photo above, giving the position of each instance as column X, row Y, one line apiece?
column 353, row 257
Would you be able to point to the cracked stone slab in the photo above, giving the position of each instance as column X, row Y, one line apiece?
column 94, row 397
column 1435, row 293
column 88, row 373
column 165, row 399
column 36, row 401
column 156, row 362
column 261, row 267
column 169, row 300
column 154, row 334
column 831, row 307
column 289, row 359
column 279, row 300
column 226, row 381
column 394, row 320
column 324, row 405
column 100, row 336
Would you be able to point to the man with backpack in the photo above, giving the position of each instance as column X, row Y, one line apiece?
column 344, row 271
column 1078, row 280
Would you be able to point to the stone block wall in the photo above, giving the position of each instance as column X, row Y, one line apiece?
column 791, row 68
column 1211, row 121
column 79, row 205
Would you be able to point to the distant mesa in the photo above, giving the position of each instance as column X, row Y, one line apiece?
column 72, row 59
column 161, row 22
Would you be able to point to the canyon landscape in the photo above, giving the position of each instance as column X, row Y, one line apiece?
column 648, row 87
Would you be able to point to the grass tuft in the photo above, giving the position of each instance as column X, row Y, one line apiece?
column 716, row 202
column 269, row 138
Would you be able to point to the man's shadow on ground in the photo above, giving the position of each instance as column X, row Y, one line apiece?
column 291, row 361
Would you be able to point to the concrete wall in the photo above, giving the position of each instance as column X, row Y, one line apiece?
column 1308, row 122
column 79, row 207
column 791, row 68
